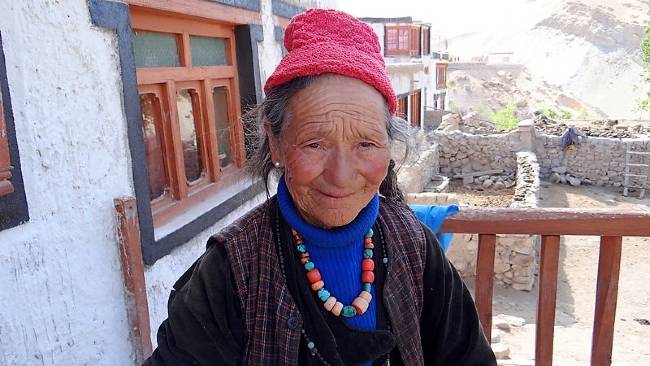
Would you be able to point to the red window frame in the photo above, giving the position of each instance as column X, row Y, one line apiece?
column 401, row 40
column 165, row 84
column 6, row 187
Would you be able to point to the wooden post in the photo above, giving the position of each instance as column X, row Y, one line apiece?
column 128, row 233
column 546, row 300
column 609, row 265
column 485, row 281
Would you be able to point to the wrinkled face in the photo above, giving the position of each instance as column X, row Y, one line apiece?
column 334, row 149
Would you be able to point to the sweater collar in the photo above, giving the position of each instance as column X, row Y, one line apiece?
column 332, row 238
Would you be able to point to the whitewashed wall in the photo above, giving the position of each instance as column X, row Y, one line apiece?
column 62, row 299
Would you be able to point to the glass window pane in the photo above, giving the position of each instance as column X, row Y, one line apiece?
column 155, row 49
column 207, row 51
column 186, row 100
column 151, row 121
column 222, row 125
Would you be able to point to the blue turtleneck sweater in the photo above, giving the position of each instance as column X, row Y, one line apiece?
column 337, row 253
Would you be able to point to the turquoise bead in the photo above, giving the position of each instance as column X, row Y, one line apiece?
column 385, row 260
column 311, row 345
column 367, row 253
column 323, row 294
column 309, row 266
column 370, row 233
column 349, row 311
column 301, row 248
column 367, row 287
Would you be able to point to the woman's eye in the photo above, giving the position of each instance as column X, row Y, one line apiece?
column 314, row 145
column 367, row 144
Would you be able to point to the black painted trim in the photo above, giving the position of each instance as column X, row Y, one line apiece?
column 115, row 16
column 286, row 10
column 13, row 207
column 248, row 64
column 253, row 5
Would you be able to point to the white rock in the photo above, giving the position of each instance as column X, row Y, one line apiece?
column 499, row 185
column 496, row 336
column 501, row 351
column 487, row 183
column 510, row 320
column 573, row 181
column 555, row 178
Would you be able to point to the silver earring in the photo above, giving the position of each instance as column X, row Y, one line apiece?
column 277, row 164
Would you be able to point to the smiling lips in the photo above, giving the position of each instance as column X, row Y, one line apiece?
column 335, row 195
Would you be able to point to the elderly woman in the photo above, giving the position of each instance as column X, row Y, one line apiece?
column 335, row 269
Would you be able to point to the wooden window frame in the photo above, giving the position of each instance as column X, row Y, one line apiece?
column 6, row 187
column 408, row 40
column 402, row 106
column 165, row 83
column 415, row 105
column 426, row 40
column 441, row 76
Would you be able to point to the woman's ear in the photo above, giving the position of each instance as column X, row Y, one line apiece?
column 274, row 144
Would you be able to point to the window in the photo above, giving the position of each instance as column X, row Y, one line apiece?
column 426, row 40
column 441, row 76
column 402, row 40
column 402, row 103
column 189, row 99
column 391, row 40
column 415, row 104
column 13, row 203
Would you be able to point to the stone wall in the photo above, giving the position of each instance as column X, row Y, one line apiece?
column 597, row 160
column 460, row 152
column 515, row 261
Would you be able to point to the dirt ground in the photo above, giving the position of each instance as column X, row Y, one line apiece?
column 577, row 287
column 472, row 196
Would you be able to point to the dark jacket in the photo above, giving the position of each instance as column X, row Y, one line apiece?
column 246, row 301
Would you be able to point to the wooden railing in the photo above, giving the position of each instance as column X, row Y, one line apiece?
column 610, row 225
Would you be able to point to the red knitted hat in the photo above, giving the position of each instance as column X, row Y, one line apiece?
column 321, row 41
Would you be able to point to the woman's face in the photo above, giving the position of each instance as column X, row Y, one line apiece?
column 334, row 149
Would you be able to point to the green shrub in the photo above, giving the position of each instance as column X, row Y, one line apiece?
column 505, row 119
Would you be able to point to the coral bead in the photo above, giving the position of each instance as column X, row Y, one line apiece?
column 338, row 307
column 329, row 304
column 368, row 265
column 366, row 296
column 317, row 285
column 367, row 277
column 361, row 305
column 313, row 275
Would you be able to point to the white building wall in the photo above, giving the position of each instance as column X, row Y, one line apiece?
column 62, row 298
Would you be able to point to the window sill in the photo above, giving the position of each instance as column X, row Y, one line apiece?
column 181, row 213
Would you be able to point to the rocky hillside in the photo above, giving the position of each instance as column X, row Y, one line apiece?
column 485, row 89
column 587, row 50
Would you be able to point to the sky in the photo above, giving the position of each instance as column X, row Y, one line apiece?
column 454, row 17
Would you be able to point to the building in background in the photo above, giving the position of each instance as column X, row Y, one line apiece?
column 417, row 74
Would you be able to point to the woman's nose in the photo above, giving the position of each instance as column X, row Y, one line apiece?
column 341, row 168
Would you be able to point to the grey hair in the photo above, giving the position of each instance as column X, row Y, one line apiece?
column 273, row 110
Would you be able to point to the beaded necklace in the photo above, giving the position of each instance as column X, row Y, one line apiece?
column 361, row 303
column 311, row 345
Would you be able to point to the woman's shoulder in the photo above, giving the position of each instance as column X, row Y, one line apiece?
column 399, row 214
